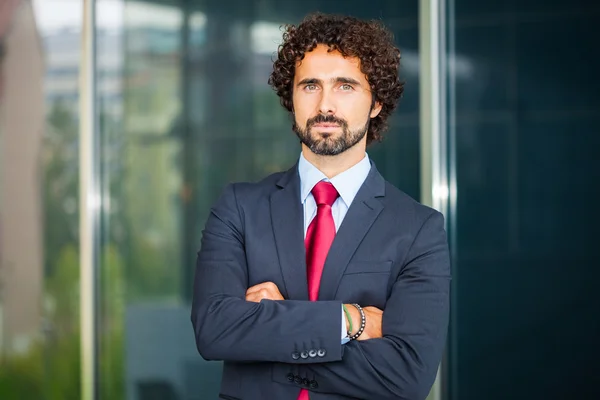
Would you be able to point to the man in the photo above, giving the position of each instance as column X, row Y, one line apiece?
column 325, row 281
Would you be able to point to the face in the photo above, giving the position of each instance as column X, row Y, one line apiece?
column 332, row 102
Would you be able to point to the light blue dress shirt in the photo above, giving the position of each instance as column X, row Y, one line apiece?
column 347, row 184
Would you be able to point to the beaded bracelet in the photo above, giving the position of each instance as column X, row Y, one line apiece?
column 363, row 321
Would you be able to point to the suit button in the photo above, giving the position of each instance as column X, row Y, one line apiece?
column 305, row 382
column 321, row 353
column 312, row 353
column 290, row 377
column 304, row 354
column 298, row 380
column 313, row 384
column 295, row 355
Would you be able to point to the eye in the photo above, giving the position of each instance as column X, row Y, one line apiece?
column 346, row 87
column 310, row 87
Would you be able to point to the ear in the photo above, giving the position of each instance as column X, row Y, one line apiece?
column 376, row 109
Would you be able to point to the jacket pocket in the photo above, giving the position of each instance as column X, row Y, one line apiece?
column 226, row 397
column 366, row 267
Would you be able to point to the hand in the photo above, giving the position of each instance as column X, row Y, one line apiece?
column 263, row 291
column 373, row 316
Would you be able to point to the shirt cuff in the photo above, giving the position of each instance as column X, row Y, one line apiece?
column 345, row 338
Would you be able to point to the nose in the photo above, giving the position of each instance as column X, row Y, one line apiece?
column 327, row 104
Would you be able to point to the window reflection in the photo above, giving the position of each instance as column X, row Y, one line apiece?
column 140, row 255
column 39, row 244
column 183, row 107
column 197, row 113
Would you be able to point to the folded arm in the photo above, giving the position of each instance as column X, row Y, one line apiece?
column 403, row 363
column 229, row 328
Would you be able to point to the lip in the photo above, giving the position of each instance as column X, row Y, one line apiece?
column 326, row 125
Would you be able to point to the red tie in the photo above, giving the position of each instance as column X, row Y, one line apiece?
column 319, row 236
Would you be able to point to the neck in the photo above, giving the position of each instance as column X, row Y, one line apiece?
column 335, row 165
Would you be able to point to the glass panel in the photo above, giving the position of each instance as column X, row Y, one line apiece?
column 185, row 108
column 527, row 131
column 39, row 245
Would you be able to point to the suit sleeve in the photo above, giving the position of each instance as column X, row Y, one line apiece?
column 403, row 363
column 229, row 328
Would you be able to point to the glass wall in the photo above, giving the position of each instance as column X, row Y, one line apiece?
column 184, row 108
column 524, row 128
column 39, row 242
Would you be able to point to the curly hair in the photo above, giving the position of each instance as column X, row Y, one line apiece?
column 369, row 41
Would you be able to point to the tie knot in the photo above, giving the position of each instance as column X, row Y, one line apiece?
column 324, row 193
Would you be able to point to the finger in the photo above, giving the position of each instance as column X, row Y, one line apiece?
column 263, row 294
column 254, row 289
column 260, row 286
column 255, row 298
column 257, row 290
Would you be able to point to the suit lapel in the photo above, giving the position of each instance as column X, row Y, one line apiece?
column 361, row 215
column 287, row 217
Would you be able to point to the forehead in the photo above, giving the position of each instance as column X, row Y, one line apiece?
column 322, row 64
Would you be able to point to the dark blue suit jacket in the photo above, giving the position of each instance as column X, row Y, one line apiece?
column 390, row 252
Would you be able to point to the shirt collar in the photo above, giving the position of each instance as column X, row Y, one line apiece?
column 346, row 183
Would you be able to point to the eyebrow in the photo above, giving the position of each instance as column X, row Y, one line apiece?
column 339, row 79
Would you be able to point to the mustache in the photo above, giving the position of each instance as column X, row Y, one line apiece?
column 325, row 119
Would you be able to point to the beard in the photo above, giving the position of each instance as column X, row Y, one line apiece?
column 325, row 143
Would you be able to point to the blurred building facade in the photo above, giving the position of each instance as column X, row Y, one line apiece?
column 22, row 123
column 182, row 107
